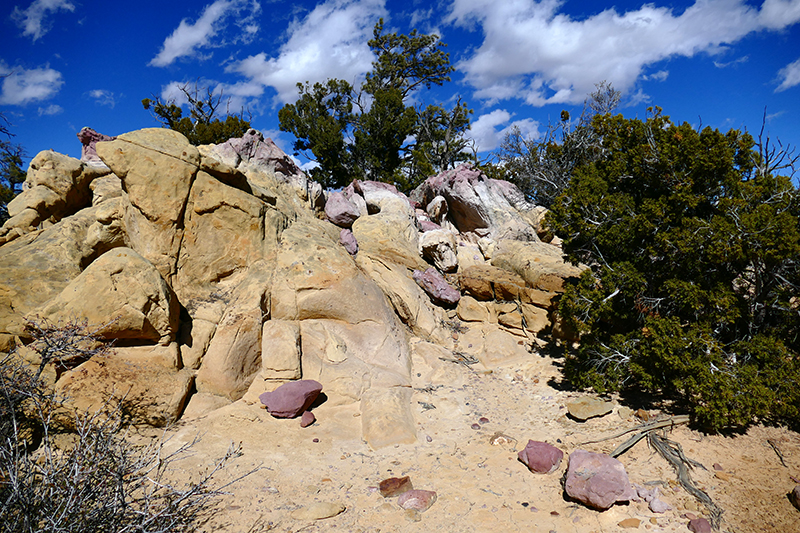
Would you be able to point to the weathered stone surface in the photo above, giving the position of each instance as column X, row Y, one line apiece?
column 195, row 336
column 280, row 350
column 340, row 211
column 89, row 139
column 699, row 525
column 540, row 265
column 233, row 357
column 348, row 240
column 437, row 287
column 469, row 254
column 156, row 166
column 492, row 345
column 291, row 399
column 318, row 511
column 395, row 486
column 391, row 233
column 419, row 500
column 123, row 295
column 597, row 480
column 307, row 419
column 386, row 417
column 147, row 393
column 486, row 282
column 476, row 204
column 471, row 310
column 541, row 457
column 439, row 247
column 589, row 407
column 37, row 267
column 430, row 365
column 437, row 209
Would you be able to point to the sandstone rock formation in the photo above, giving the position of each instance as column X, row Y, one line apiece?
column 219, row 269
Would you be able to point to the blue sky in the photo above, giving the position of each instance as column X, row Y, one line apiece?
column 71, row 63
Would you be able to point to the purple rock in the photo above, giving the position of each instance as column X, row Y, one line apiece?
column 437, row 287
column 597, row 480
column 348, row 240
column 340, row 210
column 426, row 225
column 541, row 457
column 699, row 525
column 307, row 419
column 421, row 500
column 291, row 399
column 89, row 139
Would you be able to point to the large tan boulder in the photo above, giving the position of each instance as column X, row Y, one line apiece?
column 56, row 186
column 36, row 267
column 123, row 295
column 390, row 234
column 144, row 392
column 541, row 265
column 156, row 166
column 233, row 357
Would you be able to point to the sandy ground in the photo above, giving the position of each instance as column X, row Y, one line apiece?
column 480, row 486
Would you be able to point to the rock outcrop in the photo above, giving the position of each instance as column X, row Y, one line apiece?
column 222, row 270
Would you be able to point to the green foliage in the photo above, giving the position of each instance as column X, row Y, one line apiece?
column 202, row 126
column 543, row 167
column 366, row 133
column 694, row 249
column 11, row 174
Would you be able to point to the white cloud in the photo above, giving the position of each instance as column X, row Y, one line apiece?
column 23, row 86
column 533, row 52
column 789, row 76
column 53, row 109
column 103, row 97
column 661, row 75
column 188, row 38
column 329, row 42
column 32, row 20
column 486, row 135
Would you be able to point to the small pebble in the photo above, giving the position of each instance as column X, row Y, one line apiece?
column 314, row 440
column 483, row 420
column 475, row 426
column 428, row 438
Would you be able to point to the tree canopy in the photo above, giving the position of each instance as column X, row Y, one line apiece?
column 11, row 174
column 693, row 245
column 203, row 125
column 371, row 132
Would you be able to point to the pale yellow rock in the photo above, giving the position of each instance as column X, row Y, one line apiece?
column 318, row 511
column 439, row 247
column 492, row 345
column 469, row 254
column 589, row 407
column 195, row 336
column 105, row 188
column 122, row 295
column 168, row 356
column 429, row 365
column 386, row 417
column 156, row 166
column 233, row 356
column 144, row 392
column 280, row 350
column 471, row 310
column 201, row 404
column 391, row 234
column 536, row 318
column 541, row 265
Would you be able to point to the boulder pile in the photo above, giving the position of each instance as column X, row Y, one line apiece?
column 222, row 272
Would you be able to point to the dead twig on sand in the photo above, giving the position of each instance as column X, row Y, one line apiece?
column 777, row 451
column 672, row 452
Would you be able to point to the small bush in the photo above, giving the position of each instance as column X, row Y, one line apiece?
column 92, row 479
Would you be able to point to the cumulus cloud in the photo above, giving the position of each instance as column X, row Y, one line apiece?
column 23, row 86
column 34, row 20
column 489, row 129
column 789, row 76
column 103, row 97
column 534, row 52
column 329, row 42
column 53, row 109
column 209, row 30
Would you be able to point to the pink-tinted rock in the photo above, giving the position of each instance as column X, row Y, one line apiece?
column 307, row 419
column 348, row 240
column 426, row 225
column 699, row 525
column 420, row 500
column 394, row 486
column 291, row 399
column 597, row 480
column 340, row 211
column 650, row 495
column 89, row 139
column 541, row 457
column 433, row 283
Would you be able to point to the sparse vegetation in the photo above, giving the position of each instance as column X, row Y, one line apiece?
column 92, row 478
column 693, row 243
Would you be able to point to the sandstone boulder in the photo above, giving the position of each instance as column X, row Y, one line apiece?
column 439, row 247
column 123, row 295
